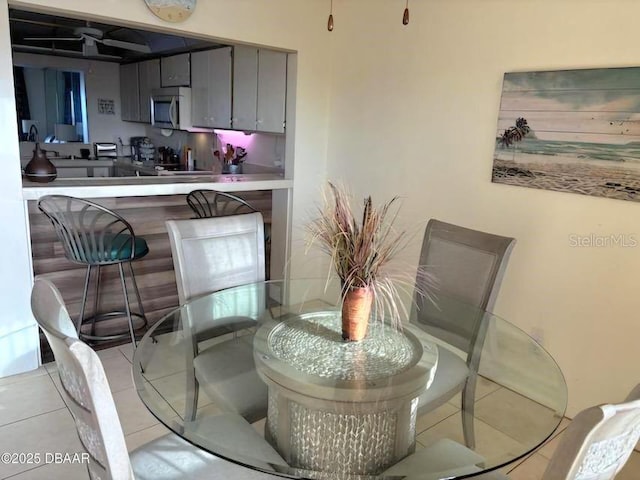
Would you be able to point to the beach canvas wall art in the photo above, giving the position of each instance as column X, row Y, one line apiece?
column 571, row 131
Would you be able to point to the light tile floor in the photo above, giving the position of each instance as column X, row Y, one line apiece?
column 34, row 418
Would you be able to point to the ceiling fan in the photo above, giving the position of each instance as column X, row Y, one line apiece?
column 90, row 37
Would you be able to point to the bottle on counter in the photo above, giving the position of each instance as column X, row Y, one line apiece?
column 190, row 161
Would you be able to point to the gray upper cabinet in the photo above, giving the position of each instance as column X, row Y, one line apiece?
column 211, row 88
column 245, row 88
column 129, row 93
column 272, row 91
column 259, row 89
column 176, row 71
column 149, row 76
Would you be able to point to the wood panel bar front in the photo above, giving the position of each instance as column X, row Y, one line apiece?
column 154, row 273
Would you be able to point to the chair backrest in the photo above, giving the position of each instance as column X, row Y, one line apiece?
column 598, row 442
column 466, row 267
column 89, row 233
column 85, row 386
column 211, row 203
column 210, row 254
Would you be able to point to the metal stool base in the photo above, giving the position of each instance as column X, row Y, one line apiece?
column 116, row 336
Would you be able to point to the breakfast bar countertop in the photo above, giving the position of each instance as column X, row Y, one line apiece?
column 153, row 185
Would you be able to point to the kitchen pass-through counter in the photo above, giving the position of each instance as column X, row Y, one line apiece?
column 153, row 185
column 147, row 202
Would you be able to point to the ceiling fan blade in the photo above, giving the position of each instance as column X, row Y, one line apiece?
column 60, row 51
column 53, row 39
column 136, row 47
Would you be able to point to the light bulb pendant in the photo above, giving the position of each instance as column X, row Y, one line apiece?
column 405, row 17
column 330, row 23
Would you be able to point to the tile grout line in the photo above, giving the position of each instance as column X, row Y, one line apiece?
column 34, row 416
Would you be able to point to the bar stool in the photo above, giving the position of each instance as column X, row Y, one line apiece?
column 211, row 203
column 95, row 236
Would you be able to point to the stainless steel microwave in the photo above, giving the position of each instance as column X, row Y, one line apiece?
column 171, row 108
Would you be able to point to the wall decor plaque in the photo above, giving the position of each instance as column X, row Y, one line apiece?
column 572, row 131
column 172, row 10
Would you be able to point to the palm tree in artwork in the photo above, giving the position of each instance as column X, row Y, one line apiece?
column 512, row 135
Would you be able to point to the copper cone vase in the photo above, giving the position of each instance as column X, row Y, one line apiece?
column 356, row 310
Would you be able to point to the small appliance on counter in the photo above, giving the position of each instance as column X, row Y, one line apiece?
column 142, row 149
column 105, row 150
column 168, row 158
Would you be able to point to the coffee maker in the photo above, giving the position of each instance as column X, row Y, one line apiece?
column 168, row 158
column 142, row 149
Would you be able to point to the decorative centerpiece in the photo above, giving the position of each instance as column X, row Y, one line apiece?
column 360, row 251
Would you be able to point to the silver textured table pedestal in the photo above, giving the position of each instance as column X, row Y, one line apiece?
column 345, row 408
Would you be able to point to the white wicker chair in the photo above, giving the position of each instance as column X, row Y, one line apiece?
column 596, row 445
column 91, row 404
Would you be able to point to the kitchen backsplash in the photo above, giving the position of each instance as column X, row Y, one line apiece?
column 265, row 153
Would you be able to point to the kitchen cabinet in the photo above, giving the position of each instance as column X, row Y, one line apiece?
column 211, row 88
column 245, row 88
column 149, row 79
column 259, row 89
column 136, row 82
column 175, row 71
column 129, row 93
column 272, row 91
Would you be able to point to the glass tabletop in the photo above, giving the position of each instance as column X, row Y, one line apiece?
column 260, row 375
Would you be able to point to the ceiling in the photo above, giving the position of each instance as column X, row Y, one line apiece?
column 26, row 26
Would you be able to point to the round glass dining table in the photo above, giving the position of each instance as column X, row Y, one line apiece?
column 260, row 376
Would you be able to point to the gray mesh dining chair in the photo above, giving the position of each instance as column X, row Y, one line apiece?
column 95, row 236
column 211, row 254
column 467, row 267
column 87, row 394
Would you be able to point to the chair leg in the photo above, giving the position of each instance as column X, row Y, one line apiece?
column 96, row 301
column 137, row 292
column 85, row 291
column 126, row 306
column 468, row 396
column 191, row 404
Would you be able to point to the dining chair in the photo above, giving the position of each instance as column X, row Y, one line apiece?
column 207, row 203
column 595, row 446
column 211, row 254
column 88, row 397
column 466, row 267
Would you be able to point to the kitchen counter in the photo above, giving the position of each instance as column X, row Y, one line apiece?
column 152, row 185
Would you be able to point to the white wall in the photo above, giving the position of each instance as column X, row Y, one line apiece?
column 102, row 80
column 287, row 24
column 413, row 113
column 18, row 333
